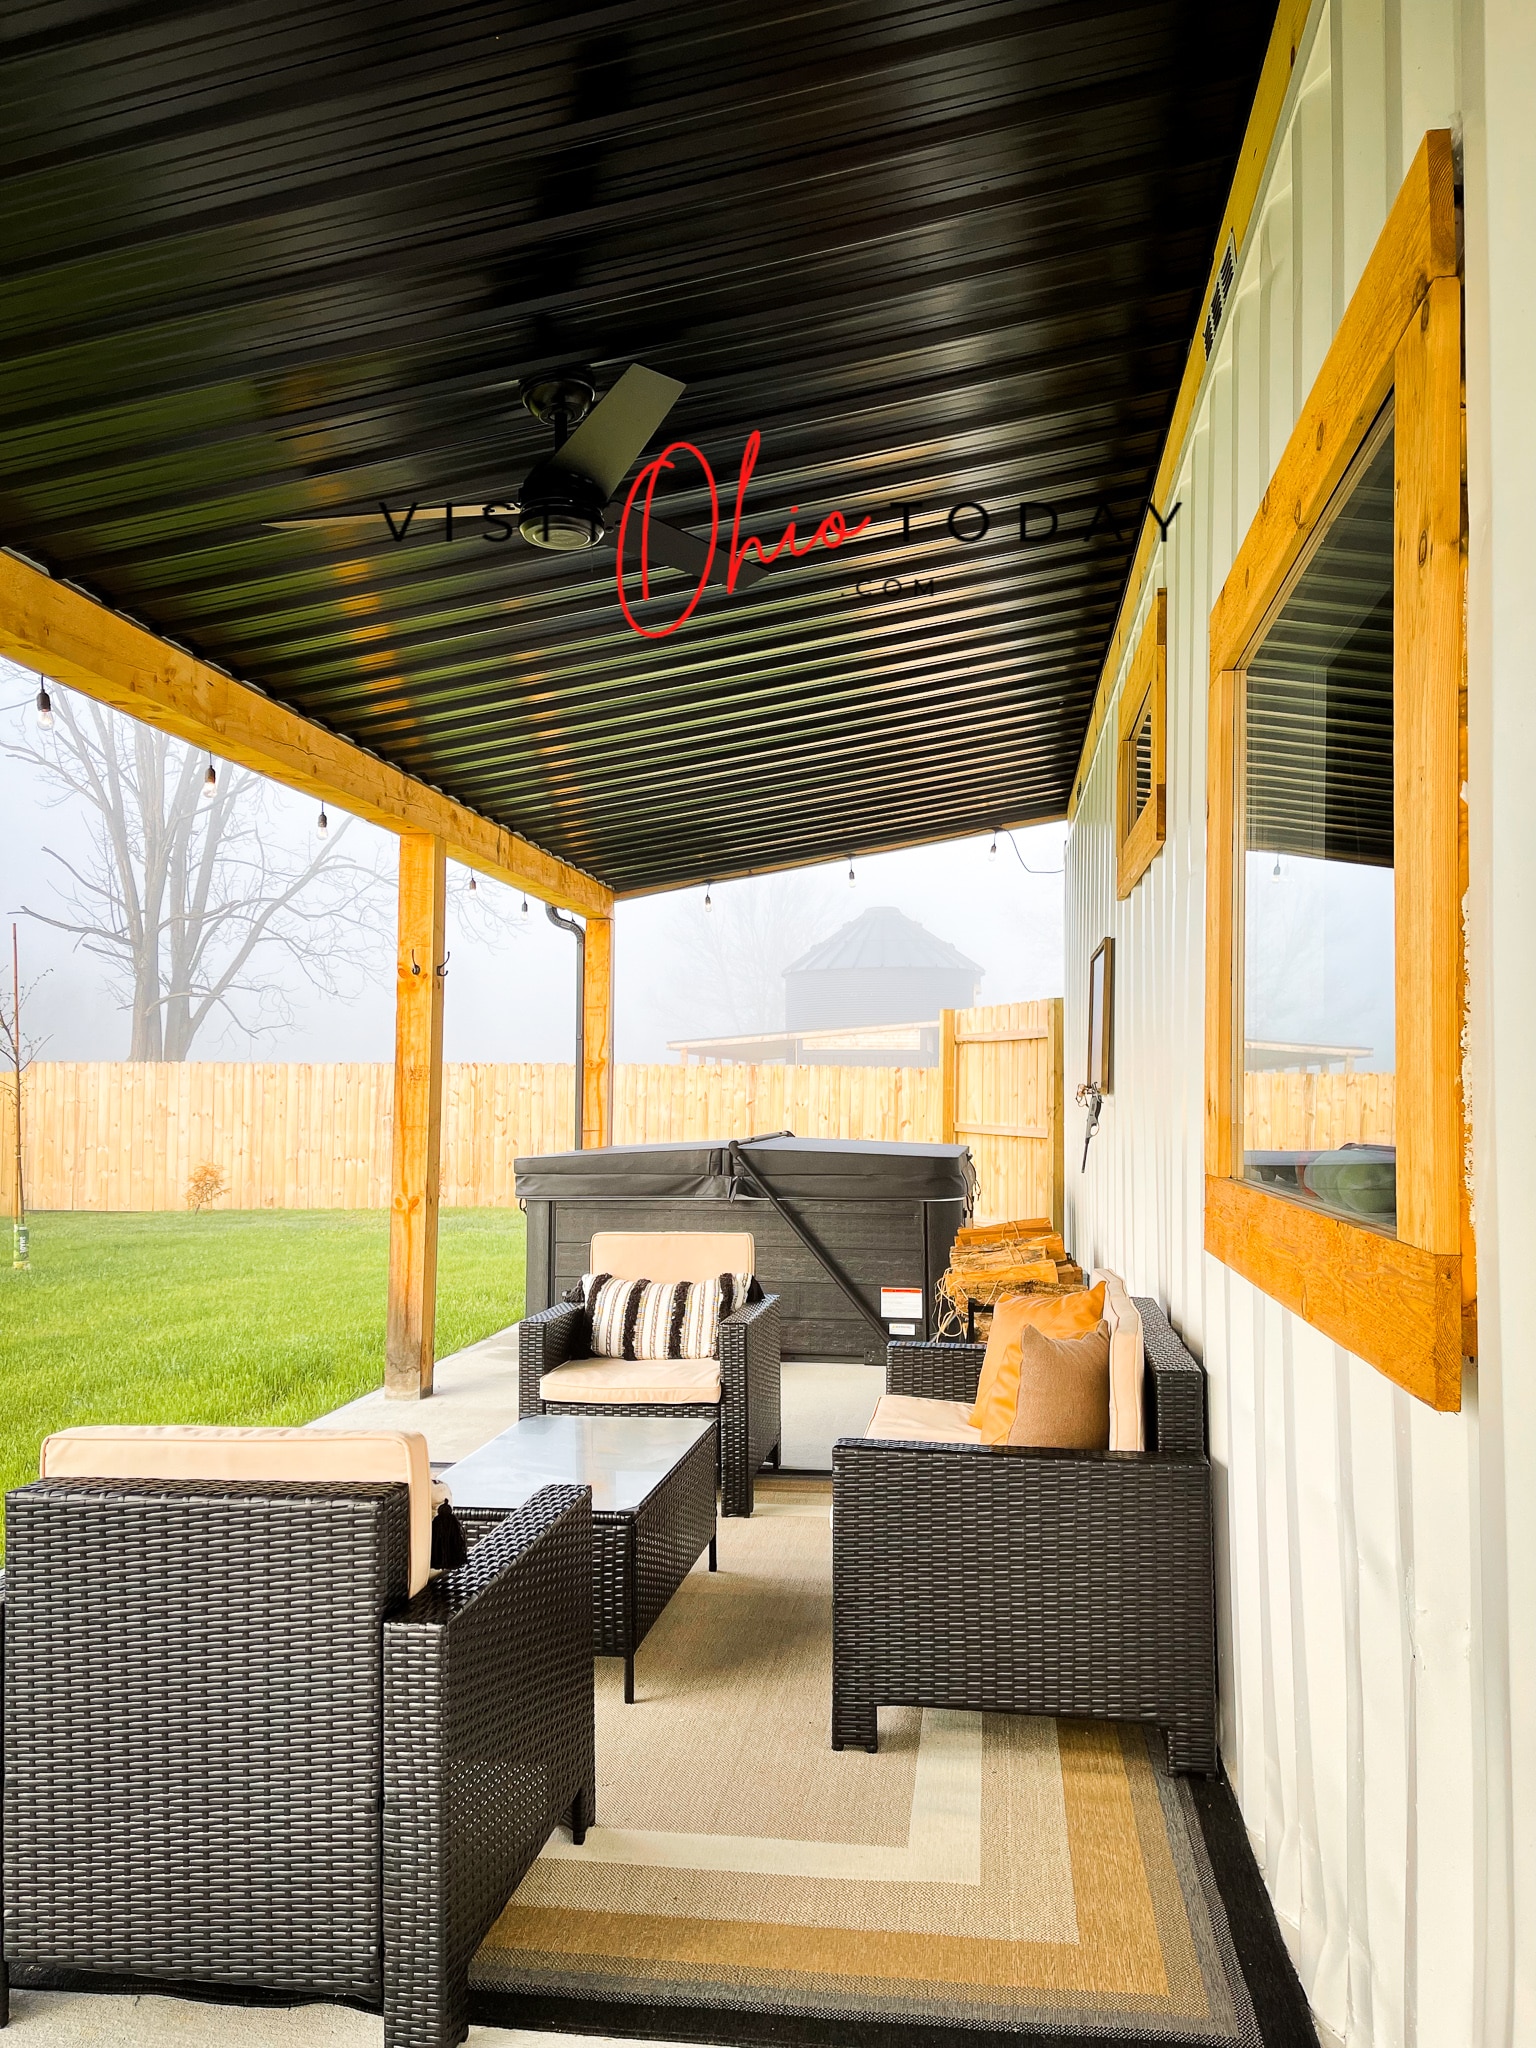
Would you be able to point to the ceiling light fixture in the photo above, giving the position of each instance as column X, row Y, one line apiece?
column 44, row 706
column 322, row 823
column 210, row 780
column 709, row 901
column 852, row 877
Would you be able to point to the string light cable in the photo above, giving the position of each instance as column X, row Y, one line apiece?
column 1023, row 863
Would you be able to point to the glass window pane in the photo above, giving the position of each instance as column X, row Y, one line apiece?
column 1319, row 1052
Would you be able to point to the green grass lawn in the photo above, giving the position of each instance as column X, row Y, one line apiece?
column 238, row 1317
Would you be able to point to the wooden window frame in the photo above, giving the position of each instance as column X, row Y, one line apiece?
column 1406, row 1304
column 1140, row 835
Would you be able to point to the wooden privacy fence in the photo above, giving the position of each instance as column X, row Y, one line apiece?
column 1000, row 1080
column 1314, row 1112
column 124, row 1135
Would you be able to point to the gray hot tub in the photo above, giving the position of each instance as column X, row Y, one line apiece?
column 880, row 1218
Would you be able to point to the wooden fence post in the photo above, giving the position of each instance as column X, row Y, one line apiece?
column 411, row 1324
column 949, row 1076
column 597, row 1034
column 1054, row 1119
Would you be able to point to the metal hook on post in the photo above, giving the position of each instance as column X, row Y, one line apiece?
column 415, row 963
column 441, row 969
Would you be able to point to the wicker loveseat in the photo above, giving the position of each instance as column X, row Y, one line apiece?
column 239, row 1756
column 740, row 1389
column 1001, row 1578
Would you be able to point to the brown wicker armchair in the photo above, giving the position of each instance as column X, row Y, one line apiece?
column 239, row 1758
column 1000, row 1578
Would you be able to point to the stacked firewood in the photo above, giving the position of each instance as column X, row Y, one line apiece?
column 989, row 1262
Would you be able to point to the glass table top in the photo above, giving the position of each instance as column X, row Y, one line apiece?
column 623, row 1458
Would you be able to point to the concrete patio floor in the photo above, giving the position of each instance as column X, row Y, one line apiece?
column 474, row 1399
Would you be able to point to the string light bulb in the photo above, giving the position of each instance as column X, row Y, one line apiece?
column 473, row 884
column 1276, row 875
column 322, row 823
column 210, row 780
column 44, row 706
column 852, row 877
column 992, row 849
column 525, row 906
column 709, row 901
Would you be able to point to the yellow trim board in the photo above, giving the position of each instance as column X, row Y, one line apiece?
column 80, row 644
column 1247, row 181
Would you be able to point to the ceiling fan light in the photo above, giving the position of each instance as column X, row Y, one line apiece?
column 562, row 529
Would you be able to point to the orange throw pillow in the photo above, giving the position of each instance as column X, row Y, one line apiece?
column 1053, row 1315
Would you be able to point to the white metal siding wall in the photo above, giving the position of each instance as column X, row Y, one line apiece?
column 1353, row 1728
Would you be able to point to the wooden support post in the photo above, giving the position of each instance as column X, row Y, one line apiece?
column 1054, row 1119
column 949, row 1076
column 411, row 1326
column 597, row 1034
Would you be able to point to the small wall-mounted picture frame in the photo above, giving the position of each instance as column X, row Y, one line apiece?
column 1101, row 1018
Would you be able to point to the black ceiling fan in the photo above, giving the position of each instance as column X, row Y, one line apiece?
column 568, row 502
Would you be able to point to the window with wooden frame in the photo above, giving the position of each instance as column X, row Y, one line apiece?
column 1141, row 778
column 1336, row 845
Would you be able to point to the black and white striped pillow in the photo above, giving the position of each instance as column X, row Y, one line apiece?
column 634, row 1318
column 660, row 1318
column 708, row 1301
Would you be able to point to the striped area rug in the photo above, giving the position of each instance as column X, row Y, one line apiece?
column 983, row 1875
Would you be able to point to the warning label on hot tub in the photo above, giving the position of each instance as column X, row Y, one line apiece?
column 903, row 1302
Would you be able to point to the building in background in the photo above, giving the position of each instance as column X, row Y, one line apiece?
column 869, row 996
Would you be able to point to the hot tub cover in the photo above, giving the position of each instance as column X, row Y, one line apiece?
column 829, row 1169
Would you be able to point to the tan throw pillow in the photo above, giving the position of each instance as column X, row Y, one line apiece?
column 1058, row 1315
column 1063, row 1391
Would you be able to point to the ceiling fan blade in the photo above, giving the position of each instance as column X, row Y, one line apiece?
column 307, row 522
column 383, row 521
column 613, row 433
column 673, row 547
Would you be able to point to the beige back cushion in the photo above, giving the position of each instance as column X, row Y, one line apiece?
column 1126, row 1430
column 308, row 1456
column 671, row 1254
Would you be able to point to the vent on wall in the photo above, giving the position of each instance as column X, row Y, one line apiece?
column 1221, row 291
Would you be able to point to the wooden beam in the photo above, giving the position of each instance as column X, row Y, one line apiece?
column 68, row 637
column 1393, row 1304
column 411, row 1324
column 597, row 1034
column 1427, row 885
column 949, row 1075
column 1247, row 182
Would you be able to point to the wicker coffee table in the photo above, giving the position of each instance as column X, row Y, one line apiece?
column 653, row 1507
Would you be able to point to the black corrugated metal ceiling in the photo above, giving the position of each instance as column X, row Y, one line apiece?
column 274, row 256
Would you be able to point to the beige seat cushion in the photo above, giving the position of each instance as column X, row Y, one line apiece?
column 665, row 1382
column 1063, row 1391
column 1127, row 1430
column 908, row 1418
column 671, row 1254
column 305, row 1456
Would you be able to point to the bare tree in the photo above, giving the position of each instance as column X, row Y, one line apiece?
column 18, row 1049
column 188, row 893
